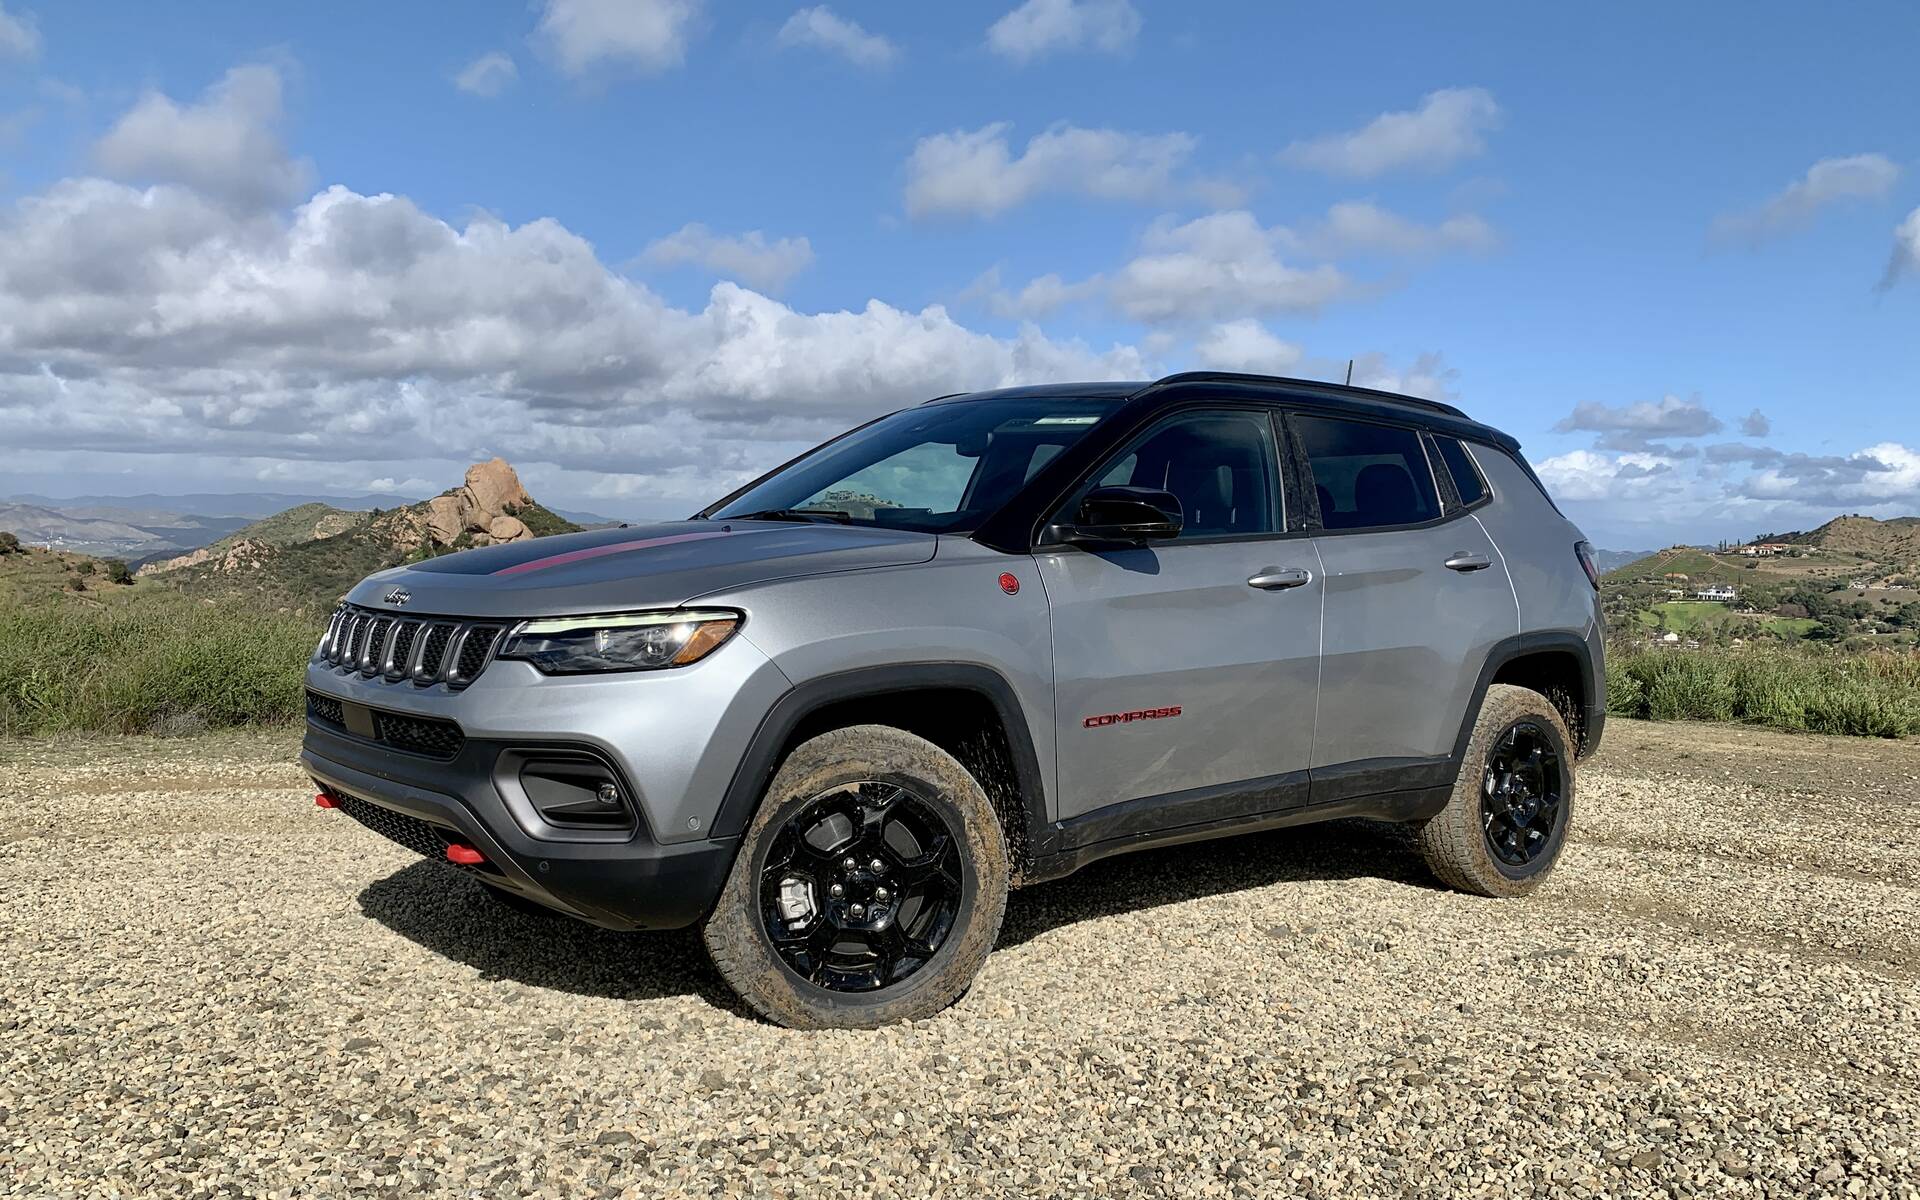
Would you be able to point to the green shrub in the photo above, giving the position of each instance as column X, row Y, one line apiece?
column 117, row 571
column 9, row 542
column 1869, row 695
column 149, row 667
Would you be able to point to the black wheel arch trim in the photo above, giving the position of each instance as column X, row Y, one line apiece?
column 1520, row 646
column 762, row 759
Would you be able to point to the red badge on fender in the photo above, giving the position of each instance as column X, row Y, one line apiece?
column 1009, row 583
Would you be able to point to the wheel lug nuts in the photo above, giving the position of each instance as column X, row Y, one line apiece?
column 856, row 910
column 876, row 866
column 836, row 890
column 882, row 895
column 847, row 864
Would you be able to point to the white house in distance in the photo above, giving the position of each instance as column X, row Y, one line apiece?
column 1765, row 549
column 1720, row 592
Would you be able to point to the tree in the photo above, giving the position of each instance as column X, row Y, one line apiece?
column 118, row 572
column 9, row 542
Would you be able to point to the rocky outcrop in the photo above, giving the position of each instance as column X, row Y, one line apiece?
column 480, row 512
column 224, row 556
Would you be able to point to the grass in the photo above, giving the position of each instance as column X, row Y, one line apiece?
column 1866, row 695
column 167, row 665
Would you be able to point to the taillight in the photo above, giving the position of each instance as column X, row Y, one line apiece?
column 1585, row 552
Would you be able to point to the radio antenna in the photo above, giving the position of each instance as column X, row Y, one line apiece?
column 1349, row 372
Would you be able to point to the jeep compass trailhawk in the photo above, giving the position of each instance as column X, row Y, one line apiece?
column 977, row 644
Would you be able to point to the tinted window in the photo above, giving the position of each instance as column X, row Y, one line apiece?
column 1221, row 466
column 1368, row 475
column 1467, row 483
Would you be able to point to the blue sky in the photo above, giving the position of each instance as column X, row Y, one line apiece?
column 646, row 248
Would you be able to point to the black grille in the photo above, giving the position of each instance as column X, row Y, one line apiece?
column 411, row 832
column 398, row 647
column 421, row 735
column 325, row 708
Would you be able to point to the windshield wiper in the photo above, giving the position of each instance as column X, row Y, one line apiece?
column 795, row 514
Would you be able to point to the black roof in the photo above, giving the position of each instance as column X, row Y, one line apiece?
column 1329, row 395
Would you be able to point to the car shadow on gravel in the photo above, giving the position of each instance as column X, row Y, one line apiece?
column 1171, row 875
column 453, row 917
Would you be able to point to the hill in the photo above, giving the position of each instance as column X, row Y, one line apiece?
column 299, row 561
column 305, row 523
column 1895, row 540
column 111, row 532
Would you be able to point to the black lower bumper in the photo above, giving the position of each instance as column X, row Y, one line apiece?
column 426, row 805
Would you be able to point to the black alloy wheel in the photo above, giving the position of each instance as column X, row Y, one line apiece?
column 1520, row 794
column 861, row 886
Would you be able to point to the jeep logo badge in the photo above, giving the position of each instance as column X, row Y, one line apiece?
column 398, row 597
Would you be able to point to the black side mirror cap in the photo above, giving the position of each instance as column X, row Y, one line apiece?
column 1123, row 516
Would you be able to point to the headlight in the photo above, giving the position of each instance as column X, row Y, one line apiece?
column 620, row 642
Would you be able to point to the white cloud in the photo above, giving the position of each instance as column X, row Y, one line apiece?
column 1829, row 181
column 748, row 257
column 1643, row 425
column 1755, row 424
column 1589, row 475
column 19, row 36
column 1219, row 267
column 1428, row 375
column 1246, row 345
column 1361, row 227
column 488, row 75
column 225, row 146
column 1906, row 249
column 975, row 173
column 823, row 29
column 1450, row 125
column 649, row 36
column 1041, row 27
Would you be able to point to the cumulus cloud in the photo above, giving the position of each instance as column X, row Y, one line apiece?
column 19, row 36
column 1450, row 125
column 1755, row 424
column 748, row 257
column 649, row 36
column 1884, row 474
column 1361, row 227
column 821, row 28
column 1827, row 182
column 1906, row 250
column 1246, row 345
column 1588, row 475
column 227, row 145
column 1639, row 426
column 976, row 173
column 1428, row 375
column 1220, row 267
column 1042, row 27
column 488, row 75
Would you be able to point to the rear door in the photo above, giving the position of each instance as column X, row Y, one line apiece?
column 1189, row 664
column 1416, row 596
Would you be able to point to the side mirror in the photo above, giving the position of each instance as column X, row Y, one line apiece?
column 1125, row 515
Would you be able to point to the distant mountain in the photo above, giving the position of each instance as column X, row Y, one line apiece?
column 585, row 520
column 1613, row 560
column 105, row 532
column 307, row 557
column 1893, row 540
column 250, row 506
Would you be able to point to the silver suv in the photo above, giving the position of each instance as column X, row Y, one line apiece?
column 974, row 645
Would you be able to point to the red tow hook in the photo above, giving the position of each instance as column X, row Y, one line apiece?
column 464, row 855
column 322, row 800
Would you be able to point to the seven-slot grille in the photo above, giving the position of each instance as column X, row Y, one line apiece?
column 426, row 650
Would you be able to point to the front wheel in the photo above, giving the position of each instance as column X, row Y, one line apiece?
column 869, row 887
column 1512, row 805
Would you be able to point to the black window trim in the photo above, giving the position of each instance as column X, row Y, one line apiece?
column 1444, row 473
column 1283, row 477
column 1420, row 431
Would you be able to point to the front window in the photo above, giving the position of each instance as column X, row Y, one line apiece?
column 943, row 468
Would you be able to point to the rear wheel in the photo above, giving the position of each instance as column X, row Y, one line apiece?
column 869, row 887
column 1512, row 805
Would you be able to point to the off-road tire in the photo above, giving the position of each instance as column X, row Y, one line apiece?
column 1455, row 841
column 742, row 951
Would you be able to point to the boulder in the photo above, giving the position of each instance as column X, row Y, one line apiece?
column 508, row 529
column 493, row 487
column 446, row 517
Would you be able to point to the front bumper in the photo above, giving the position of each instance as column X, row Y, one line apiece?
column 632, row 883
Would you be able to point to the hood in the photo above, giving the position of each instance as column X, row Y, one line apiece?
column 640, row 566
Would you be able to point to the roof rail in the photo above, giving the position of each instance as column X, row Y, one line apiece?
column 1313, row 384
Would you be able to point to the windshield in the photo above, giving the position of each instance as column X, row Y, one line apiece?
column 940, row 469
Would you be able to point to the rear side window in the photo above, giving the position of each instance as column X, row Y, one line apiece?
column 1467, row 483
column 1366, row 475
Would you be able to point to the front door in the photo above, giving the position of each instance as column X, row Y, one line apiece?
column 1189, row 665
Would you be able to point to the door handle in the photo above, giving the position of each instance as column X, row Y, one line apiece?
column 1463, row 562
column 1275, row 579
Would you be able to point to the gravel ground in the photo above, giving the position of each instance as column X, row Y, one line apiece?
column 211, row 988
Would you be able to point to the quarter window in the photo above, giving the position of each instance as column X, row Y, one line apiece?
column 1467, row 483
column 1222, row 466
column 1366, row 475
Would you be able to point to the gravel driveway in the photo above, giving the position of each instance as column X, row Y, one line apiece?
column 211, row 988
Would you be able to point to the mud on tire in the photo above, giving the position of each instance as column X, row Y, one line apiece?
column 799, row 846
column 1512, row 805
